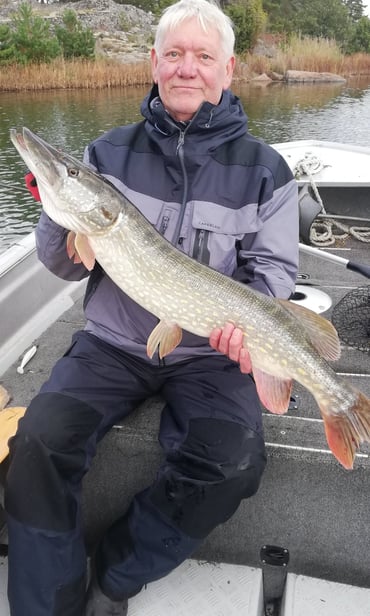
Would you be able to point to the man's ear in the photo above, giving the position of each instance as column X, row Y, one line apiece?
column 154, row 64
column 229, row 72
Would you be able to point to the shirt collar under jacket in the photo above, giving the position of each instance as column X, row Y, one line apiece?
column 214, row 123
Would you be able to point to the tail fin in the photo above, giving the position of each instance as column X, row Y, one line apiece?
column 346, row 431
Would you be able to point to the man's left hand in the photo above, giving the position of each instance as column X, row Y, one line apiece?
column 31, row 184
column 229, row 341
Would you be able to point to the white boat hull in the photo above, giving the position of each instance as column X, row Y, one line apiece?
column 341, row 165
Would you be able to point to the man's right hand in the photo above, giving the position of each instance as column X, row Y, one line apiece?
column 31, row 184
column 229, row 341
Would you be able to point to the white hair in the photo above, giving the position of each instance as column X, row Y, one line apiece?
column 209, row 16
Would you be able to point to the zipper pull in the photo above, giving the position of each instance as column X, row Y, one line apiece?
column 180, row 141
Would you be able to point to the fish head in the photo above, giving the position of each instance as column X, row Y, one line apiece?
column 72, row 194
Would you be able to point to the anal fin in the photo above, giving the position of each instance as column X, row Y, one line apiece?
column 274, row 392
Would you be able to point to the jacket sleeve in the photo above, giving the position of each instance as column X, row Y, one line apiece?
column 268, row 259
column 51, row 245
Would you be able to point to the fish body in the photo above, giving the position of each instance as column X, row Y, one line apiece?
column 285, row 341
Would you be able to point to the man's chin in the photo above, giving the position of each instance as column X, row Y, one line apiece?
column 184, row 113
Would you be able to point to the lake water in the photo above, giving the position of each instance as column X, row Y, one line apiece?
column 70, row 119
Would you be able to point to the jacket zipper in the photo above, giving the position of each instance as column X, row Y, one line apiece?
column 177, row 239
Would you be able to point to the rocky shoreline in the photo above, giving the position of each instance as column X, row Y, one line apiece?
column 122, row 31
column 125, row 33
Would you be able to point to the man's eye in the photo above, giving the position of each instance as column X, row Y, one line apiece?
column 206, row 58
column 172, row 54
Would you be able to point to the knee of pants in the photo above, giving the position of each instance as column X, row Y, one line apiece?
column 202, row 484
column 47, row 452
column 58, row 424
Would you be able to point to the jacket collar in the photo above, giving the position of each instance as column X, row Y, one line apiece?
column 225, row 121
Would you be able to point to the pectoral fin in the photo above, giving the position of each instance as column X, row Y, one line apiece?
column 79, row 249
column 71, row 250
column 273, row 392
column 166, row 336
column 85, row 251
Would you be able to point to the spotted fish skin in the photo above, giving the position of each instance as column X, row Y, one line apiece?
column 285, row 341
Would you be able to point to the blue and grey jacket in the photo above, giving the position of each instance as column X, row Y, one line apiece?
column 217, row 193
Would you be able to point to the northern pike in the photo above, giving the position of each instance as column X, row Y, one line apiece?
column 285, row 341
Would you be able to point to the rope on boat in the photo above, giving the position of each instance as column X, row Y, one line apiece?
column 323, row 231
column 351, row 315
column 309, row 165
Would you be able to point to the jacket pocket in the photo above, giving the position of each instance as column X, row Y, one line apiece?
column 161, row 215
column 216, row 230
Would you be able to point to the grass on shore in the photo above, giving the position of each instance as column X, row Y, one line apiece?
column 62, row 74
column 310, row 54
column 303, row 54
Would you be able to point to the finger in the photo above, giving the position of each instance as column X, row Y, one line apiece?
column 245, row 361
column 215, row 337
column 235, row 344
column 223, row 344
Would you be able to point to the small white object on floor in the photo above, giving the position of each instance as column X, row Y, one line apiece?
column 26, row 358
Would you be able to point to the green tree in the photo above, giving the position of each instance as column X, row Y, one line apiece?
column 329, row 19
column 75, row 40
column 360, row 40
column 6, row 45
column 31, row 37
column 355, row 8
column 280, row 15
column 249, row 19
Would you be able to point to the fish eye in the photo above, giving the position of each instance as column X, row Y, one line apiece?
column 73, row 172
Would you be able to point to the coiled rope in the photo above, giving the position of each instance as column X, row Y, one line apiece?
column 323, row 231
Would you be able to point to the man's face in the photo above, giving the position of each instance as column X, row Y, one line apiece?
column 191, row 68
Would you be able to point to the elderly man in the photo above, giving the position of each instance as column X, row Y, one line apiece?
column 227, row 200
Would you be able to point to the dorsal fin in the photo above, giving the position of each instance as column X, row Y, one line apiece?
column 321, row 331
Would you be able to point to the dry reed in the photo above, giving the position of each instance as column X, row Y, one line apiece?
column 67, row 75
column 306, row 54
column 301, row 53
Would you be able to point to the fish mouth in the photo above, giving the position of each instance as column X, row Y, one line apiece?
column 48, row 164
column 66, row 185
column 41, row 158
column 19, row 143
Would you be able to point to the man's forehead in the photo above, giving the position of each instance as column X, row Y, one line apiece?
column 195, row 38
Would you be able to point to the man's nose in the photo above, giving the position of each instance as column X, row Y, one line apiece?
column 188, row 66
